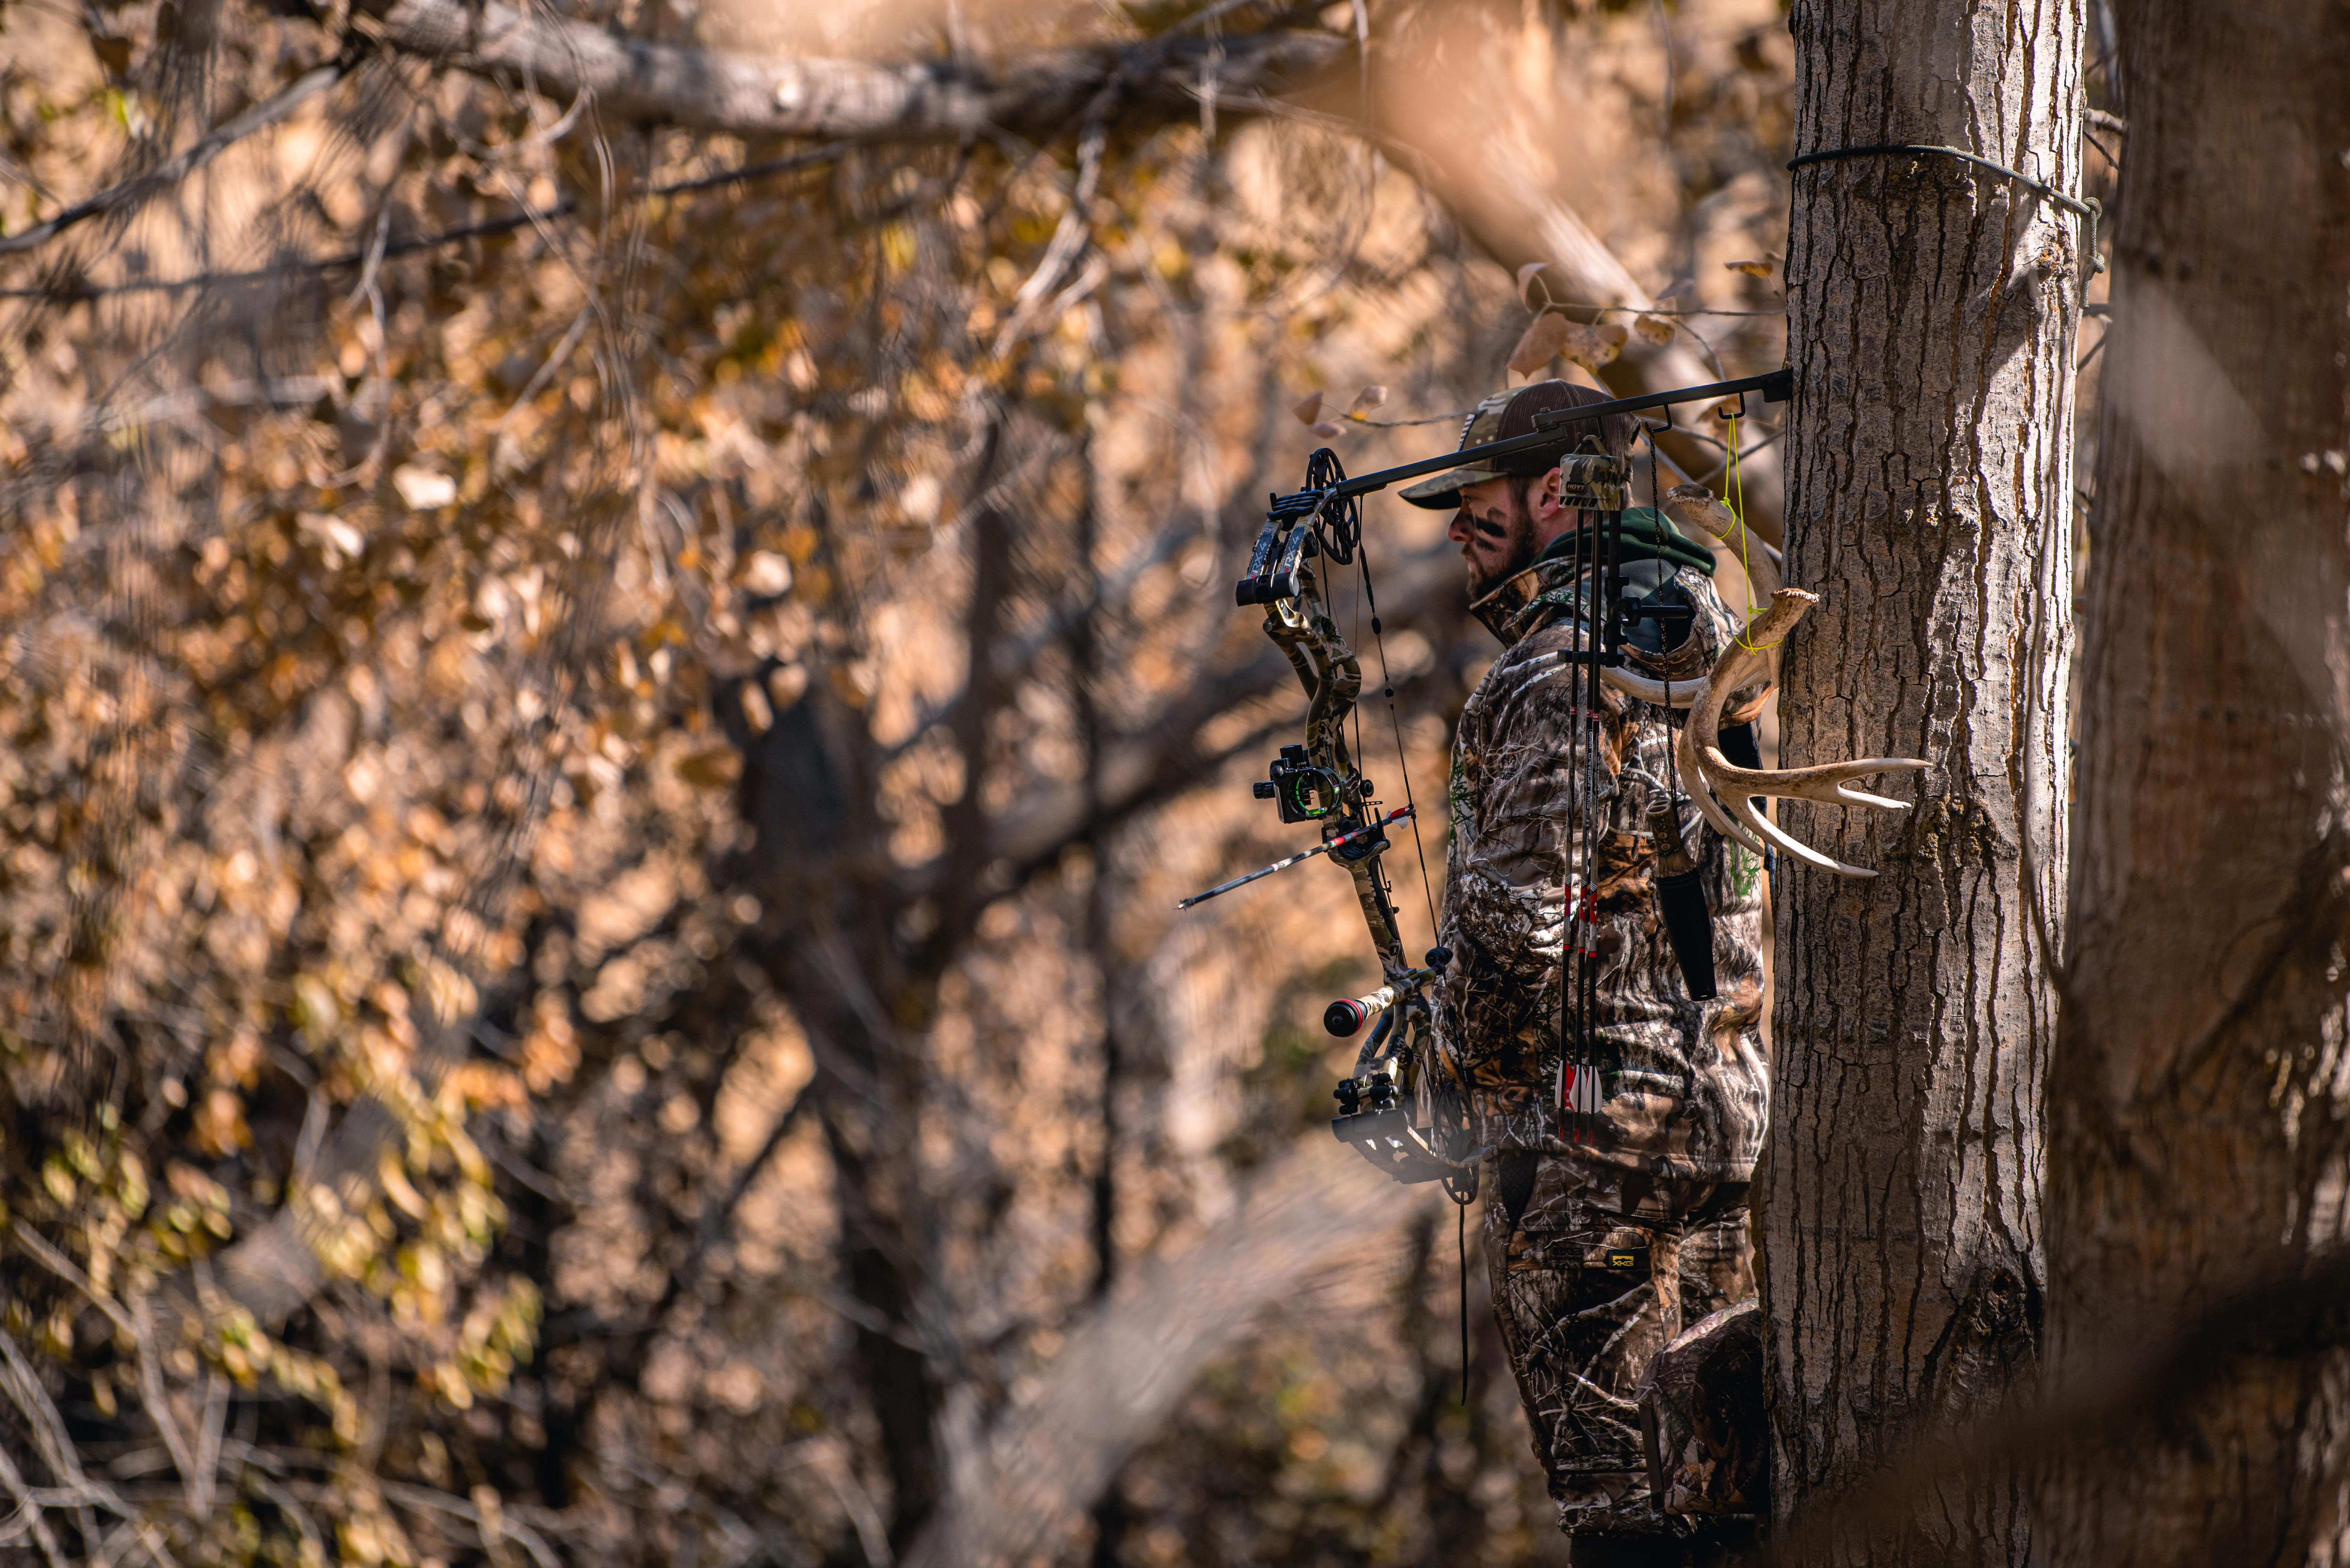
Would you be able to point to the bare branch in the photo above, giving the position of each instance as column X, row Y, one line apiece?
column 12, row 1479
column 1038, row 95
column 173, row 169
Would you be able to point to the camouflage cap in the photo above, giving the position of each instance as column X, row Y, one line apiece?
column 1511, row 413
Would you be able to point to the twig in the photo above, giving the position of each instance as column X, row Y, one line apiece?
column 1548, row 303
column 292, row 1506
column 1073, row 231
column 201, row 1490
column 856, row 1501
column 578, row 329
column 58, row 1264
column 300, row 91
column 442, row 1502
column 134, row 1323
column 151, row 1395
column 55, row 1444
column 49, row 1433
column 1202, row 18
column 462, row 231
column 14, row 1479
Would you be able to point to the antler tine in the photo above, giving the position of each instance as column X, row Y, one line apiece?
column 1733, row 813
column 1778, row 835
column 1825, row 782
column 1695, row 506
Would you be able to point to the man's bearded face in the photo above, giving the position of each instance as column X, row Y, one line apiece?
column 1495, row 530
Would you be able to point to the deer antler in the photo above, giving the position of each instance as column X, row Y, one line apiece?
column 1695, row 507
column 1734, row 814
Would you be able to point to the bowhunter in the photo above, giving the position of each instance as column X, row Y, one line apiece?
column 1600, row 1249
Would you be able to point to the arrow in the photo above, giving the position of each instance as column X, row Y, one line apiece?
column 1398, row 814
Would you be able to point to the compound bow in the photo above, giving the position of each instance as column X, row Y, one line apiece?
column 1403, row 1114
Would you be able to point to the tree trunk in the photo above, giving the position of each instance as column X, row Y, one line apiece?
column 1932, row 313
column 2199, row 1141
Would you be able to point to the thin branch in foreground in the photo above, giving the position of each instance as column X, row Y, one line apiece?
column 75, row 295
column 177, row 168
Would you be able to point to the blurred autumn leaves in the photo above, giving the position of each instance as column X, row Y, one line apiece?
column 529, row 888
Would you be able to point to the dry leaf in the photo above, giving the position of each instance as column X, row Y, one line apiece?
column 1327, row 428
column 1750, row 268
column 1526, row 276
column 1654, row 329
column 1592, row 347
column 1542, row 339
column 713, row 769
column 1308, row 409
column 765, row 574
column 1551, row 334
column 1367, row 400
column 424, row 490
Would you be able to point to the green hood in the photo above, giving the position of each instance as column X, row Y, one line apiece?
column 1647, row 533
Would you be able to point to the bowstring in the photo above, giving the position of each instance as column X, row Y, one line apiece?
column 1403, row 765
column 1354, row 638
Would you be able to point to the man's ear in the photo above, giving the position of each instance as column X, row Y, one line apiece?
column 1546, row 498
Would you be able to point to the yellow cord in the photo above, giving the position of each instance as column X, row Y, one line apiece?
column 1737, row 499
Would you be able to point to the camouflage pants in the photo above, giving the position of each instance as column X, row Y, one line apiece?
column 1586, row 1299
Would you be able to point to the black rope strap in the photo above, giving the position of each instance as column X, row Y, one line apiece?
column 2088, row 207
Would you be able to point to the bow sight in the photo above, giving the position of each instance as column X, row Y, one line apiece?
column 1406, row 1106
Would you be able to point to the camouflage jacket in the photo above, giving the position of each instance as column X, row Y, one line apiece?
column 1688, row 1112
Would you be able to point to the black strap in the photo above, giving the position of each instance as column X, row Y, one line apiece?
column 1514, row 1180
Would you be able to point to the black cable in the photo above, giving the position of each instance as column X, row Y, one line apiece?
column 2088, row 207
column 1569, row 976
column 1602, row 584
column 1672, row 748
column 1355, row 708
column 2041, row 188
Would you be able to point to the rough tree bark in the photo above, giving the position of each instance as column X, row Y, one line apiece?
column 2200, row 1095
column 1933, row 309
